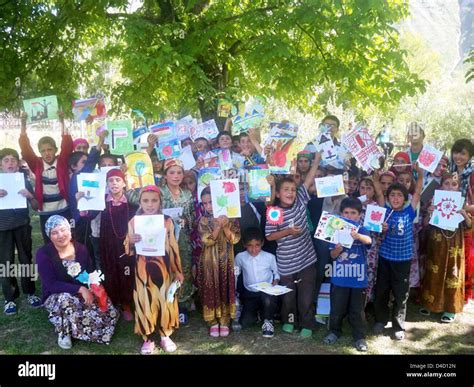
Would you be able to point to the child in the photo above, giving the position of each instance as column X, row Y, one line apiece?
column 80, row 145
column 117, row 266
column 303, row 163
column 349, row 280
column 352, row 184
column 401, row 163
column 51, row 172
column 15, row 231
column 296, row 257
column 443, row 284
column 387, row 178
column 216, row 270
column 396, row 251
column 248, row 146
column 153, row 277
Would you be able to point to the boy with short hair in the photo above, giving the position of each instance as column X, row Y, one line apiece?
column 349, row 280
column 257, row 266
column 15, row 231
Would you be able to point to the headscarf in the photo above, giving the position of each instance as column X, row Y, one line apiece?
column 55, row 221
column 173, row 163
column 117, row 173
column 79, row 141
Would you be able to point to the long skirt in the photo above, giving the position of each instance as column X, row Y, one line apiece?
column 153, row 314
column 71, row 316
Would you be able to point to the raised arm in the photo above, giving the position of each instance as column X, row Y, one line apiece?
column 309, row 180
column 378, row 189
column 418, row 188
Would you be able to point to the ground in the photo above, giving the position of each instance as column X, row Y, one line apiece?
column 29, row 332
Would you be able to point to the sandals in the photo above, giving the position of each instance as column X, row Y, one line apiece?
column 330, row 339
column 224, row 331
column 214, row 331
column 448, row 318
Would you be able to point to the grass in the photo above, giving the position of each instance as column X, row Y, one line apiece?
column 29, row 332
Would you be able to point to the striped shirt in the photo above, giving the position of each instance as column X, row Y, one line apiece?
column 294, row 252
column 52, row 199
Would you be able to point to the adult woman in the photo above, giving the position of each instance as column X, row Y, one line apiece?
column 72, row 307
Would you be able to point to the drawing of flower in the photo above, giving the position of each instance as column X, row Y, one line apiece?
column 376, row 216
column 228, row 187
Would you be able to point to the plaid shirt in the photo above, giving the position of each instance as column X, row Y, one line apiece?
column 397, row 244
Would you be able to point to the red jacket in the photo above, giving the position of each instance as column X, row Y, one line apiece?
column 36, row 165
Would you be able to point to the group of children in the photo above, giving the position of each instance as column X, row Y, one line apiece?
column 216, row 261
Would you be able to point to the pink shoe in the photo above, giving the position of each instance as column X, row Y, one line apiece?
column 167, row 344
column 214, row 331
column 148, row 348
column 127, row 316
column 224, row 331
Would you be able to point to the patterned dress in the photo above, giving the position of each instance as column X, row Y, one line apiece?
column 216, row 272
column 153, row 277
column 443, row 284
column 372, row 259
column 186, row 202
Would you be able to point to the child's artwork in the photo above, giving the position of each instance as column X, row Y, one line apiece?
column 259, row 187
column 183, row 127
column 268, row 288
column 274, row 215
column 175, row 214
column 325, row 145
column 446, row 213
column 92, row 184
column 205, row 176
column 41, row 108
column 374, row 218
column 429, row 158
column 165, row 131
column 93, row 130
column 225, row 159
column 138, row 132
column 211, row 160
column 250, row 117
column 168, row 149
column 12, row 183
column 153, row 232
column 224, row 107
column 329, row 229
column 284, row 148
column 139, row 170
column 89, row 109
column 120, row 137
column 225, row 198
column 324, row 300
column 187, row 158
column 207, row 130
column 362, row 146
column 329, row 186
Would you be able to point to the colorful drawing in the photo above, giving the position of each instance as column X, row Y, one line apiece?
column 207, row 130
column 284, row 148
column 187, row 157
column 328, row 228
column 205, row 176
column 225, row 159
column 211, row 159
column 168, row 149
column 183, row 127
column 12, row 183
column 274, row 215
column 93, row 187
column 225, row 198
column 325, row 145
column 120, row 137
column 324, row 300
column 429, row 158
column 374, row 218
column 362, row 146
column 165, row 131
column 152, row 230
column 446, row 213
column 224, row 108
column 259, row 187
column 41, row 108
column 139, row 170
column 251, row 116
column 329, row 186
column 94, row 129
column 89, row 109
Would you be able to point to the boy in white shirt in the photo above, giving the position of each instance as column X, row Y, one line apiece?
column 257, row 266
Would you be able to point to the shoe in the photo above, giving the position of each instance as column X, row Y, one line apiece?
column 64, row 341
column 424, row 312
column 399, row 335
column 361, row 345
column 267, row 329
column 10, row 308
column 321, row 320
column 330, row 339
column 305, row 333
column 288, row 328
column 448, row 318
column 167, row 344
column 236, row 327
column 378, row 328
column 127, row 315
column 148, row 347
column 214, row 331
column 224, row 331
column 34, row 301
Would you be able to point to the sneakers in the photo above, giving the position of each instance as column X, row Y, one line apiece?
column 267, row 329
column 361, row 345
column 288, row 328
column 330, row 339
column 64, row 341
column 214, row 331
column 148, row 347
column 378, row 328
column 399, row 335
column 224, row 331
column 34, row 301
column 10, row 308
column 167, row 344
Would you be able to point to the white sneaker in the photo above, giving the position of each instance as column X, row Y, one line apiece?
column 64, row 341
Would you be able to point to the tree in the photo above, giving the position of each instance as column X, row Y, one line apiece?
column 180, row 56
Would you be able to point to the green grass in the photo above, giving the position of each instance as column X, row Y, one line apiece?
column 29, row 332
